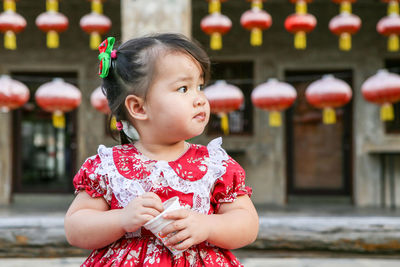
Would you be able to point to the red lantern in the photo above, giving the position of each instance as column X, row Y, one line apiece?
column 383, row 89
column 13, row 94
column 99, row 101
column 328, row 93
column 256, row 20
column 10, row 24
column 390, row 26
column 345, row 25
column 224, row 98
column 52, row 22
column 274, row 96
column 216, row 25
column 300, row 23
column 58, row 97
column 95, row 24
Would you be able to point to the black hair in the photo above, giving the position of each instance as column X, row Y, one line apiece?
column 131, row 72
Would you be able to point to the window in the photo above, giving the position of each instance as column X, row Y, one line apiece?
column 239, row 74
column 43, row 156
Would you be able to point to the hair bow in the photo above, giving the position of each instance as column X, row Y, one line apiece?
column 105, row 49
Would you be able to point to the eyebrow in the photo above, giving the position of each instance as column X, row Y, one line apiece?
column 186, row 78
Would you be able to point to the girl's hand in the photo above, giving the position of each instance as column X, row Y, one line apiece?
column 141, row 210
column 189, row 228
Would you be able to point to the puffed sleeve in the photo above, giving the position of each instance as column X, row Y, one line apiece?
column 89, row 179
column 230, row 185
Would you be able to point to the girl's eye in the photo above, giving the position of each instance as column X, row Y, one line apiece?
column 182, row 89
column 200, row 87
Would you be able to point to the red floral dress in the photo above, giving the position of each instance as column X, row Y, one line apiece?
column 203, row 178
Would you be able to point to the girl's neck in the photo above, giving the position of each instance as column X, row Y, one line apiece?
column 167, row 152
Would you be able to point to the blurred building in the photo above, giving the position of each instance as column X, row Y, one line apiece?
column 353, row 161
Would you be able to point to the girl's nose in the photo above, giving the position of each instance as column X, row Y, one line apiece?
column 200, row 100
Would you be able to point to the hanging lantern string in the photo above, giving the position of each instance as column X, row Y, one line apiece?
column 345, row 7
column 52, row 5
column 301, row 7
column 9, row 5
column 214, row 6
column 97, row 6
column 257, row 4
column 393, row 7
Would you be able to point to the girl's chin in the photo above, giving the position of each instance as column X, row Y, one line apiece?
column 194, row 135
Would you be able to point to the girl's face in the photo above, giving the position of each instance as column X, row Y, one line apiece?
column 176, row 106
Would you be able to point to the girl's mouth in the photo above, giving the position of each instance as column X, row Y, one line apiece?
column 200, row 116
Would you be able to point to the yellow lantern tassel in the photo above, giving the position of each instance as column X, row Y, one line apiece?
column 113, row 123
column 393, row 8
column 256, row 37
column 52, row 39
column 10, row 41
column 9, row 5
column 97, row 6
column 257, row 4
column 301, row 7
column 225, row 123
column 275, row 119
column 393, row 43
column 95, row 40
column 59, row 120
column 328, row 116
column 300, row 41
column 52, row 5
column 345, row 41
column 216, row 41
column 345, row 7
column 387, row 113
column 214, row 6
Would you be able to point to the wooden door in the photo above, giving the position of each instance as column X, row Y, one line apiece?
column 319, row 155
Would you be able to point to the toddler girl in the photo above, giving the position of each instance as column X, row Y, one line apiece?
column 154, row 89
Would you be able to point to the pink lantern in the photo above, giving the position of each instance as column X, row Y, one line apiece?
column 274, row 96
column 52, row 22
column 10, row 24
column 345, row 25
column 99, row 101
column 224, row 98
column 58, row 97
column 328, row 93
column 390, row 27
column 383, row 89
column 216, row 25
column 13, row 94
column 256, row 20
column 95, row 24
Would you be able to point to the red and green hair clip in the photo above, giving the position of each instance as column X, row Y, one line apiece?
column 106, row 54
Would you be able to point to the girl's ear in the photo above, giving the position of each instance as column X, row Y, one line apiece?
column 135, row 108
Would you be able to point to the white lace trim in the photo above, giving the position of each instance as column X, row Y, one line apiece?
column 163, row 176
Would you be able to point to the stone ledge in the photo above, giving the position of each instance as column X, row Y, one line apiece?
column 341, row 234
column 43, row 236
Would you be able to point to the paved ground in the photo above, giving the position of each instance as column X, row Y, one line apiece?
column 251, row 262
